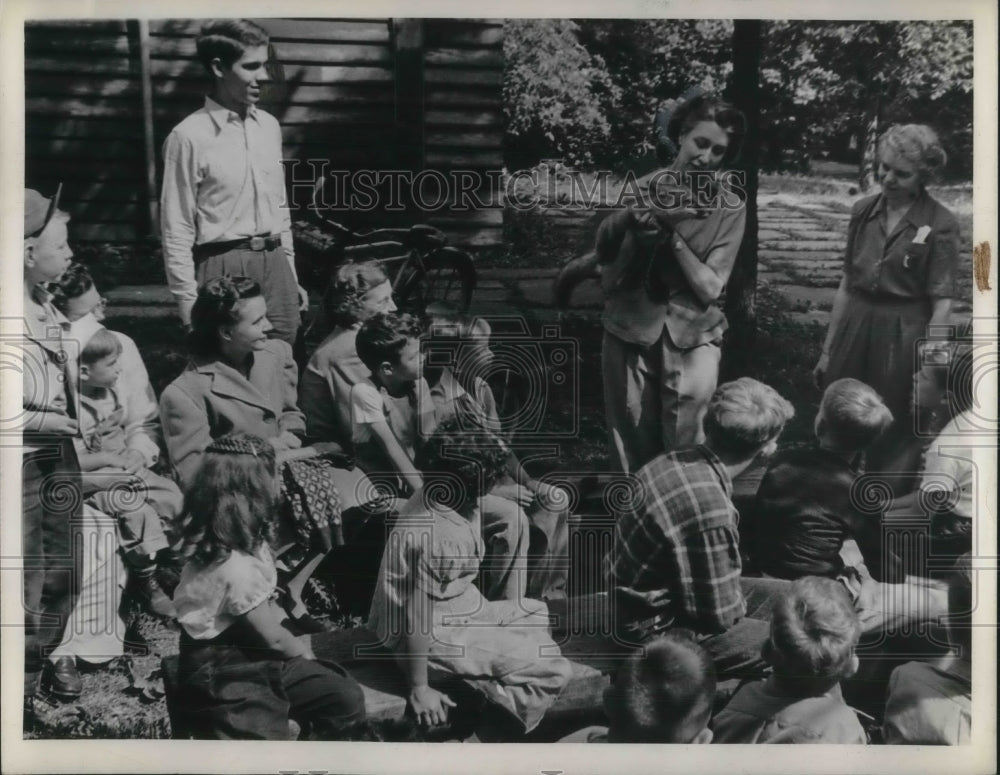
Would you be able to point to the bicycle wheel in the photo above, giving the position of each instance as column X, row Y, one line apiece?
column 446, row 275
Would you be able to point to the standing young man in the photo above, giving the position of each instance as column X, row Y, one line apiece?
column 223, row 205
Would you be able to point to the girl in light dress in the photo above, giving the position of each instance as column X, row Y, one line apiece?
column 429, row 612
column 243, row 673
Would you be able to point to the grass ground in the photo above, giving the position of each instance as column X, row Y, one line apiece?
column 124, row 700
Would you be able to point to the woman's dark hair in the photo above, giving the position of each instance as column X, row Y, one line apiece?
column 230, row 503
column 227, row 40
column 688, row 113
column 460, row 462
column 75, row 282
column 216, row 307
column 348, row 286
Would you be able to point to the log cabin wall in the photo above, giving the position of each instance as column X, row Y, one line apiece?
column 361, row 94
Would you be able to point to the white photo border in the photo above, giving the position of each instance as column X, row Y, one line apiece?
column 85, row 756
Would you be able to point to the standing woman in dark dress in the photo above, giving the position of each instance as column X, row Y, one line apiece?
column 899, row 279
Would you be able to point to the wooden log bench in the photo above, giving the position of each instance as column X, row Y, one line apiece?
column 580, row 628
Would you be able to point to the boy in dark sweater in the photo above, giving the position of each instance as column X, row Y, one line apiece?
column 805, row 506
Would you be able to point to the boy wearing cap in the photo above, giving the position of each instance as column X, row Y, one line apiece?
column 223, row 201
column 50, row 470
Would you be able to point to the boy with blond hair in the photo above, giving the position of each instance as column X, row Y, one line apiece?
column 804, row 507
column 814, row 632
column 116, row 478
column 675, row 561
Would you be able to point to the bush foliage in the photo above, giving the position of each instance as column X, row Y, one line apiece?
column 586, row 91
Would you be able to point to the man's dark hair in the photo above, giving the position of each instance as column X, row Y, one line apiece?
column 227, row 40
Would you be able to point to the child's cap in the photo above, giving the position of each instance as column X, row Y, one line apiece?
column 38, row 211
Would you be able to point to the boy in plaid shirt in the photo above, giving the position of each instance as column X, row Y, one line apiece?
column 676, row 561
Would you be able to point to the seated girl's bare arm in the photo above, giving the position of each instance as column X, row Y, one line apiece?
column 429, row 705
column 265, row 621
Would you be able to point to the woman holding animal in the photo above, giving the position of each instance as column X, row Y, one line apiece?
column 665, row 266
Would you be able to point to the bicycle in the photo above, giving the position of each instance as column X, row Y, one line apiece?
column 427, row 270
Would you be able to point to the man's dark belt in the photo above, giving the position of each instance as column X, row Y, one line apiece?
column 262, row 243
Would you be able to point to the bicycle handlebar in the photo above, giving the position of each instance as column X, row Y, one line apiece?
column 419, row 236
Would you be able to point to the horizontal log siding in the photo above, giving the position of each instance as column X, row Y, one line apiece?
column 333, row 95
column 463, row 121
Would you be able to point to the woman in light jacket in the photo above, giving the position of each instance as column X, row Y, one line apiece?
column 241, row 381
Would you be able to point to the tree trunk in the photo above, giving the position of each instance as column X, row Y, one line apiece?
column 741, row 292
column 869, row 160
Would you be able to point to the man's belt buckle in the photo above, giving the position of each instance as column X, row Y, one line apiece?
column 258, row 243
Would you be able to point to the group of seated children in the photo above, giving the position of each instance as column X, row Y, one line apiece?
column 477, row 546
column 665, row 691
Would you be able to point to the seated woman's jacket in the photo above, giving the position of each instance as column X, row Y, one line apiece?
column 211, row 399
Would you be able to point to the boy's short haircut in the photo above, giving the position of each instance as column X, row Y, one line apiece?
column 460, row 464
column 75, row 282
column 228, row 39
column 744, row 415
column 853, row 414
column 382, row 338
column 102, row 344
column 663, row 693
column 814, row 630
